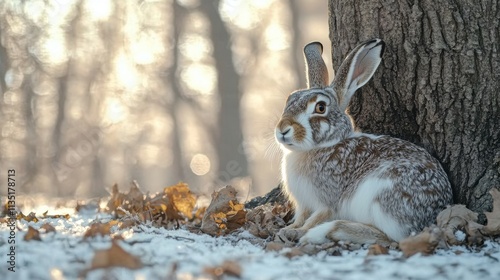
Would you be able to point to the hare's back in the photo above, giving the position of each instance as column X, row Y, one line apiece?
column 395, row 182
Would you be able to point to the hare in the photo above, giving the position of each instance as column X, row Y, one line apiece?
column 348, row 185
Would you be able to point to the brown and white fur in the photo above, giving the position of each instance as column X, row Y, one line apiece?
column 349, row 185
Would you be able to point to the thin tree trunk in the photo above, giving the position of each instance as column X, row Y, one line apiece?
column 438, row 84
column 232, row 160
column 4, row 66
column 298, row 61
column 178, row 160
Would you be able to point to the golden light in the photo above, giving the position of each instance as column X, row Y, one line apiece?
column 126, row 72
column 147, row 48
column 277, row 38
column 115, row 110
column 200, row 164
column 200, row 78
column 195, row 47
column 52, row 49
column 242, row 14
column 98, row 9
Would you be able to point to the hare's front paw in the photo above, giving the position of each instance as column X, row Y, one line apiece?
column 317, row 235
column 289, row 235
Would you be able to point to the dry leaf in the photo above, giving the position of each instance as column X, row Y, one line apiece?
column 30, row 218
column 294, row 252
column 115, row 257
column 474, row 235
column 65, row 216
column 230, row 268
column 32, row 234
column 181, row 198
column 289, row 235
column 116, row 200
column 48, row 228
column 224, row 214
column 166, row 209
column 266, row 220
column 275, row 246
column 493, row 225
column 376, row 249
column 127, row 223
column 453, row 219
column 87, row 206
column 291, row 250
column 98, row 228
column 424, row 242
column 135, row 194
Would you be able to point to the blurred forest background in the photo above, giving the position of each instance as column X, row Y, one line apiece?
column 98, row 91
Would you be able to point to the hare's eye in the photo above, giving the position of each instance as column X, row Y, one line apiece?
column 320, row 108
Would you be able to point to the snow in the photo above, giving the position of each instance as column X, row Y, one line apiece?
column 460, row 235
column 65, row 254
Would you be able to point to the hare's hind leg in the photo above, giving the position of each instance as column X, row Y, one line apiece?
column 318, row 217
column 342, row 230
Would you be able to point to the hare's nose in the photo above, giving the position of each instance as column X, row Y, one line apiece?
column 286, row 131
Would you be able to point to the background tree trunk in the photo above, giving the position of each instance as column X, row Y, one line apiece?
column 438, row 84
column 229, row 138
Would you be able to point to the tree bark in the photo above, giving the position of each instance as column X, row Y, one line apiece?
column 438, row 84
column 229, row 139
column 178, row 167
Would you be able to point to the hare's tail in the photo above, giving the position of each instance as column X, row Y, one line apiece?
column 342, row 230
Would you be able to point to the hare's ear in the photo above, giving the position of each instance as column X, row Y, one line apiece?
column 357, row 69
column 317, row 75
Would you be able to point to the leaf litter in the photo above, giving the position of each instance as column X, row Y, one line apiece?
column 176, row 207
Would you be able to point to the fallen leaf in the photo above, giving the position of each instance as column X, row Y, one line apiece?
column 493, row 225
column 165, row 209
column 181, row 199
column 32, row 234
column 65, row 216
column 456, row 218
column 266, row 220
column 31, row 217
column 135, row 193
column 48, row 228
column 289, row 235
column 115, row 257
column 229, row 268
column 224, row 214
column 127, row 223
column 98, row 228
column 200, row 212
column 275, row 246
column 87, row 206
column 376, row 249
column 424, row 242
column 294, row 252
column 5, row 209
column 474, row 235
column 116, row 200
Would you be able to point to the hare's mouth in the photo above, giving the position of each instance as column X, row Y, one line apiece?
column 284, row 139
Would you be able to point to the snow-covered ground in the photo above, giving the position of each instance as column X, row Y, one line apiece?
column 179, row 254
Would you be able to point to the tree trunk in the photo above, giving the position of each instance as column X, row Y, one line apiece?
column 438, row 84
column 232, row 160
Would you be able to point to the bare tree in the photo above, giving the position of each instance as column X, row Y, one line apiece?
column 177, row 20
column 438, row 84
column 298, row 60
column 229, row 138
column 4, row 66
